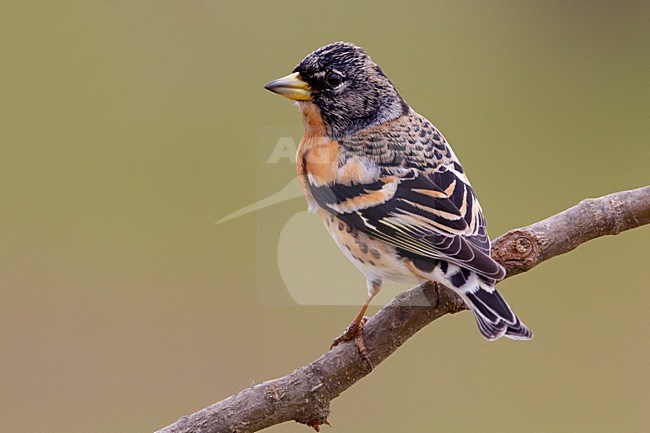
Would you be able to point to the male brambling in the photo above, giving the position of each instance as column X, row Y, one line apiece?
column 389, row 188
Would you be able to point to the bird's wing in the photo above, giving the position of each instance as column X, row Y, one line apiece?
column 425, row 210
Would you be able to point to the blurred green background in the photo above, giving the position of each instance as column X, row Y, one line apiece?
column 128, row 128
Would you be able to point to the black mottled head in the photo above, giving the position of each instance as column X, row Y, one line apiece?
column 350, row 90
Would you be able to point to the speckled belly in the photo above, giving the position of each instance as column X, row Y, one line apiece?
column 374, row 258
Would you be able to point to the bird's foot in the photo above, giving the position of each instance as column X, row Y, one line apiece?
column 355, row 332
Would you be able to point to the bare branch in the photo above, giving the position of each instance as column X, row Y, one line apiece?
column 520, row 250
column 304, row 395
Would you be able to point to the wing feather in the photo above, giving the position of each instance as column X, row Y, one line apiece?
column 428, row 215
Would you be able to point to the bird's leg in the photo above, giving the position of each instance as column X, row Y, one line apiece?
column 355, row 329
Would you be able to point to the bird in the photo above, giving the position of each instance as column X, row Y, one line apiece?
column 389, row 188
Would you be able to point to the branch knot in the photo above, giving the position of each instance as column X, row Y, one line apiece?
column 517, row 251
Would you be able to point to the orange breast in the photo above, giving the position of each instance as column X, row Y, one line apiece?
column 317, row 157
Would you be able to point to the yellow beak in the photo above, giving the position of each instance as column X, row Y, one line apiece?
column 291, row 87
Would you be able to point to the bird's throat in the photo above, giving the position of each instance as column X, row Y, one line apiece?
column 312, row 120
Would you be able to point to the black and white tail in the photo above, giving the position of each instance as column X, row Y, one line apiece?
column 494, row 317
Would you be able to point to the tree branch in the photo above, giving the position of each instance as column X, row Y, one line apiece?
column 304, row 395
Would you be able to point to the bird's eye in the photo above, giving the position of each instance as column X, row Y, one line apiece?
column 334, row 79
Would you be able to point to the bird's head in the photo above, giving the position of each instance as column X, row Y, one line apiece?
column 350, row 91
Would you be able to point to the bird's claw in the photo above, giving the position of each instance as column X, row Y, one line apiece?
column 354, row 331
